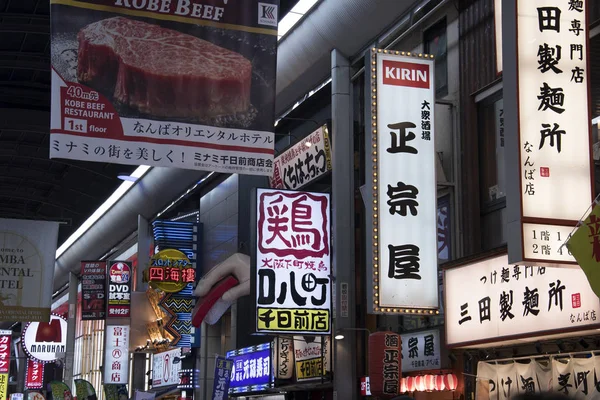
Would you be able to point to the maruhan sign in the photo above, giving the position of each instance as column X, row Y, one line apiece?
column 27, row 254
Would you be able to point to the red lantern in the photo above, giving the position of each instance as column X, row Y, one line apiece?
column 403, row 385
column 429, row 383
column 420, row 383
column 410, row 384
column 450, row 381
column 439, row 382
column 385, row 354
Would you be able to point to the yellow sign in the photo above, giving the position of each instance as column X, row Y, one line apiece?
column 308, row 369
column 291, row 319
column 3, row 386
column 170, row 271
column 584, row 245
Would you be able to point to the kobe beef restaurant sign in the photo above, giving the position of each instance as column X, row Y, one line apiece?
column 192, row 97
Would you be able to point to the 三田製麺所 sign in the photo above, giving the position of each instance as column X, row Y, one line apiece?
column 181, row 84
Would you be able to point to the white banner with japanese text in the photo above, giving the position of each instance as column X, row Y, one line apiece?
column 575, row 377
column 293, row 262
column 404, row 183
column 26, row 266
column 311, row 358
column 421, row 351
column 199, row 95
column 116, row 355
column 304, row 162
column 549, row 124
column 490, row 301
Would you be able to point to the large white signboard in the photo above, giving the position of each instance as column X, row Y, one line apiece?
column 404, row 183
column 45, row 341
column 116, row 354
column 421, row 351
column 490, row 300
column 293, row 268
column 547, row 101
column 164, row 371
column 27, row 259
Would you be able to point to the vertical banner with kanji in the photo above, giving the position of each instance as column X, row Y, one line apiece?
column 293, row 253
column 200, row 94
column 385, row 363
column 548, row 127
column 34, row 374
column 223, row 368
column 93, row 290
column 403, row 213
column 116, row 355
column 120, row 274
column 5, row 339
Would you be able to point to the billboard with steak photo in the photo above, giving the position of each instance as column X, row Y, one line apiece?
column 170, row 83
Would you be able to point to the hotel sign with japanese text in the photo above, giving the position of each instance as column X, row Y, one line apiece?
column 491, row 301
column 548, row 126
column 293, row 252
column 402, row 155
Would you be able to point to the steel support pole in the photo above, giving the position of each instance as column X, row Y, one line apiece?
column 139, row 378
column 70, row 351
column 345, row 383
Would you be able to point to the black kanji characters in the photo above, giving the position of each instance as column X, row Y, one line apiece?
column 413, row 347
column 399, row 140
column 576, row 27
column 577, row 48
column 577, row 75
column 548, row 58
column 485, row 309
column 506, row 303
column 576, row 5
column 555, row 292
column 401, row 198
column 549, row 19
column 531, row 300
column 404, row 262
column 428, row 346
column 464, row 314
column 551, row 99
column 552, row 132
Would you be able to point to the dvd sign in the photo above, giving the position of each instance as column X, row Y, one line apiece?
column 119, row 289
column 45, row 341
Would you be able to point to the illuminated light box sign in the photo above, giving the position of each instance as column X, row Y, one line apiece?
column 252, row 370
column 165, row 371
column 403, row 210
column 421, row 351
column 45, row 341
column 116, row 355
column 93, row 290
column 34, row 374
column 491, row 301
column 292, row 283
column 548, row 127
column 170, row 271
column 120, row 274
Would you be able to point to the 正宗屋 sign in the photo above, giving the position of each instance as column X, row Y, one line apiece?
column 548, row 130
column 403, row 213
column 421, row 351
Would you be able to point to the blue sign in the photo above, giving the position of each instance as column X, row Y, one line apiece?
column 252, row 370
column 222, row 374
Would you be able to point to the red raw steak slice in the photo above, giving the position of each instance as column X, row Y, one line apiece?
column 162, row 72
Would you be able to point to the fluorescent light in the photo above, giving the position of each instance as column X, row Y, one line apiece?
column 111, row 201
column 339, row 336
column 293, row 16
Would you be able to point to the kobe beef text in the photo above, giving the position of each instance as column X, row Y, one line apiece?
column 181, row 7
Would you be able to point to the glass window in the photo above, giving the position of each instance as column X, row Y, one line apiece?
column 491, row 154
column 436, row 42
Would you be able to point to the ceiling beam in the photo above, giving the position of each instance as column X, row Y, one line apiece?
column 57, row 161
column 32, row 65
column 39, row 17
column 25, row 28
column 5, row 53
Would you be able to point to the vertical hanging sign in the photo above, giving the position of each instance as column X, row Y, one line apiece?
column 34, row 375
column 120, row 274
column 292, row 283
column 116, row 355
column 404, row 213
column 548, row 127
column 5, row 336
column 93, row 290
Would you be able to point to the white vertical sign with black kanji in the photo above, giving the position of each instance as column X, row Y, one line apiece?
column 404, row 182
column 116, row 355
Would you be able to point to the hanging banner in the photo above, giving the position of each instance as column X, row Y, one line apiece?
column 60, row 391
column 34, row 374
column 385, row 363
column 255, row 359
column 404, row 237
column 312, row 358
column 223, row 368
column 26, row 266
column 5, row 340
column 304, row 162
column 584, row 245
column 293, row 251
column 120, row 274
column 491, row 301
column 93, row 290
column 548, row 130
column 421, row 351
column 116, row 355
column 84, row 390
column 199, row 95
column 45, row 341
column 284, row 357
column 165, row 371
